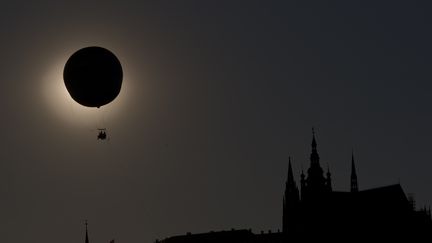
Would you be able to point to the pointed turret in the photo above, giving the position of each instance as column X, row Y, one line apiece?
column 290, row 184
column 314, row 157
column 315, row 181
column 290, row 202
column 354, row 183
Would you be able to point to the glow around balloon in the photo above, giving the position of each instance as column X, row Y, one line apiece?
column 93, row 76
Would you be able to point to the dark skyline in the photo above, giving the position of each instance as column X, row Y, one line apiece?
column 215, row 98
column 313, row 210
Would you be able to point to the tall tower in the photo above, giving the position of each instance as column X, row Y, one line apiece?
column 290, row 202
column 86, row 236
column 354, row 183
column 315, row 182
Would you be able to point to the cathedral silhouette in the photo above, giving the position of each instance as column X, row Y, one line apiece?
column 384, row 211
column 316, row 211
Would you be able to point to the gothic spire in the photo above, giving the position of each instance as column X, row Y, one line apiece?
column 313, row 138
column 290, row 201
column 315, row 181
column 354, row 183
column 290, row 179
column 314, row 157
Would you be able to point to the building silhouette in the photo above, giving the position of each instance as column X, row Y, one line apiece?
column 316, row 211
column 384, row 211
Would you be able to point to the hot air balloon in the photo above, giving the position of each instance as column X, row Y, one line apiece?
column 93, row 77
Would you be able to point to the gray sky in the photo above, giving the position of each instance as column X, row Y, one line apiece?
column 215, row 98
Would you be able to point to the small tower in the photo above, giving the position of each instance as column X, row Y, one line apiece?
column 314, row 157
column 86, row 236
column 315, row 181
column 354, row 183
column 290, row 201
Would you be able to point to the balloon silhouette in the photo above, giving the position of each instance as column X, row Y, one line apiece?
column 93, row 76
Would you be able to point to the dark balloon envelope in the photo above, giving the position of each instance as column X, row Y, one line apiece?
column 93, row 76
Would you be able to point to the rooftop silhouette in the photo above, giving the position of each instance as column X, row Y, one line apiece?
column 316, row 211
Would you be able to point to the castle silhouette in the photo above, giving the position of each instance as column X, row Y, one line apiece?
column 316, row 211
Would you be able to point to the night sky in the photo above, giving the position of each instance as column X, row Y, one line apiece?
column 216, row 96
